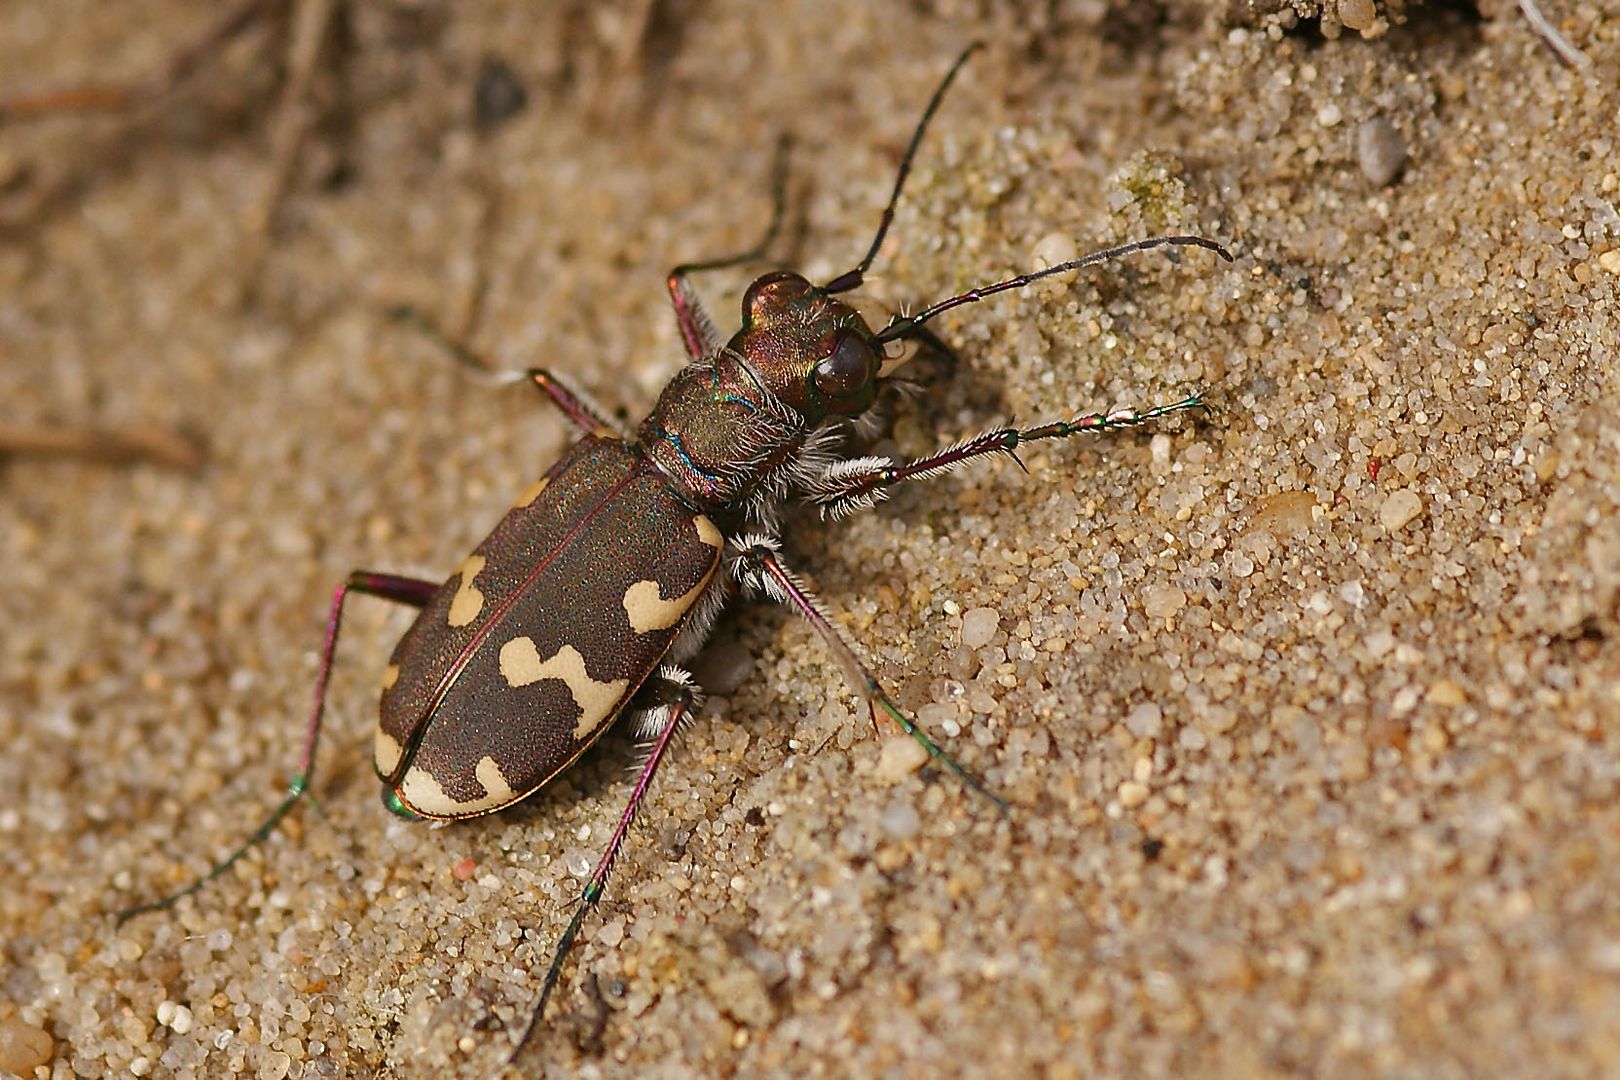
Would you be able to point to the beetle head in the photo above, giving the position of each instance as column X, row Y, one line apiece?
column 814, row 351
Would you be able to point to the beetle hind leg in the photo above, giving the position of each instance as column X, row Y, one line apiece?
column 401, row 590
column 661, row 708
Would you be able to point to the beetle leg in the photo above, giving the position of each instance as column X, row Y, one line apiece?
column 852, row 485
column 697, row 329
column 759, row 569
column 662, row 707
column 401, row 590
column 585, row 413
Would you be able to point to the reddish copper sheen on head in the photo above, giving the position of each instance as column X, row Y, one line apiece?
column 812, row 350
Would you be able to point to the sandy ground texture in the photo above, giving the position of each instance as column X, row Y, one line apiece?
column 1307, row 709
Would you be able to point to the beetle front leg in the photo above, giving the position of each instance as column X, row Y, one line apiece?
column 759, row 569
column 401, row 590
column 662, row 707
column 697, row 329
column 847, row 487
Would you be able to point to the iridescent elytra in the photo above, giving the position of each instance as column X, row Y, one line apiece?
column 524, row 657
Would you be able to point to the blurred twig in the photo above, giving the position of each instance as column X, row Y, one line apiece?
column 107, row 445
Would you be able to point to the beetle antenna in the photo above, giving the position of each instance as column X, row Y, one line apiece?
column 903, row 325
column 851, row 279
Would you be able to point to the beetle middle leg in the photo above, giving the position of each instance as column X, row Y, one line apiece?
column 659, row 710
column 401, row 590
column 759, row 569
column 586, row 415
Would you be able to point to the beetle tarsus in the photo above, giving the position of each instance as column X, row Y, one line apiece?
column 401, row 590
column 674, row 695
column 760, row 569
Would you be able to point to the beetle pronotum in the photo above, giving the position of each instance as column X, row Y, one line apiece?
column 608, row 573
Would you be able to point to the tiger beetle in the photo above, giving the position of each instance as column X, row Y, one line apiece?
column 607, row 575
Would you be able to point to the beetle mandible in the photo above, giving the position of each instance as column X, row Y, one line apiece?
column 608, row 573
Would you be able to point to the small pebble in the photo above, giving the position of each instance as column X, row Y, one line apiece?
column 1145, row 721
column 979, row 626
column 1381, row 150
column 1163, row 601
column 23, row 1047
column 1357, row 14
column 1283, row 512
column 899, row 821
column 901, row 756
column 276, row 1065
column 1132, row 794
column 498, row 94
column 962, row 663
column 1399, row 509
column 1447, row 692
column 1055, row 248
column 1159, row 448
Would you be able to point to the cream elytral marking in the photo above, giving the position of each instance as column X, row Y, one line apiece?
column 532, row 493
column 644, row 602
column 707, row 532
column 597, row 701
column 386, row 753
column 390, row 676
column 424, row 794
column 468, row 601
column 648, row 610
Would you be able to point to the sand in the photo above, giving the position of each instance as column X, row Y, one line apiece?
column 1307, row 710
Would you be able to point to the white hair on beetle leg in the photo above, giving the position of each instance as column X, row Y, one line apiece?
column 747, row 567
column 837, row 497
column 651, row 722
column 700, row 623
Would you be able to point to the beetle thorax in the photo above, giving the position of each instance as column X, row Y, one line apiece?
column 723, row 439
column 733, row 430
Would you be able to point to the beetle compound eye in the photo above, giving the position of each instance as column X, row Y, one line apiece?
column 847, row 368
